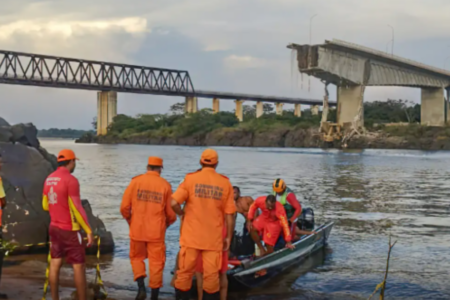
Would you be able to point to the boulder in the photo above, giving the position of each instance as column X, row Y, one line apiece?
column 3, row 122
column 6, row 134
column 25, row 134
column 26, row 165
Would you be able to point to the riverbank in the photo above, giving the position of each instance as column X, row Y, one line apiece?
column 24, row 276
column 411, row 137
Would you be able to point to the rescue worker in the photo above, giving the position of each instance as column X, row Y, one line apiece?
column 209, row 205
column 67, row 217
column 287, row 198
column 146, row 208
column 269, row 224
column 223, row 279
column 2, row 207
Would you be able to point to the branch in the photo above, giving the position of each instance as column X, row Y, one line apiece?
column 382, row 285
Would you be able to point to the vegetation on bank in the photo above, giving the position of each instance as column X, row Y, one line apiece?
column 62, row 133
column 176, row 124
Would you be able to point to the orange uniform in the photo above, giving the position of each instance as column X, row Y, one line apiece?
column 209, row 197
column 146, row 207
column 270, row 223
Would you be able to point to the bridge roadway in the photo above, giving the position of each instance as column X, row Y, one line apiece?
column 71, row 73
column 353, row 67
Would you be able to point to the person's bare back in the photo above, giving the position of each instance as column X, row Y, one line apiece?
column 243, row 205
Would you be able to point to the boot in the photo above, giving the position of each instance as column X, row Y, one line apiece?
column 180, row 295
column 155, row 294
column 207, row 296
column 142, row 293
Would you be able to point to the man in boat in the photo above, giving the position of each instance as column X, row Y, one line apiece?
column 209, row 206
column 242, row 203
column 146, row 208
column 291, row 204
column 269, row 224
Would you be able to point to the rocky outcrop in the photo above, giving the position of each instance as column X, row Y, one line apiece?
column 26, row 165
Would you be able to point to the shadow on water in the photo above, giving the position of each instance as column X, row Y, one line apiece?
column 288, row 286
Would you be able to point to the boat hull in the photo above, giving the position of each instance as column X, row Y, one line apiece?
column 260, row 271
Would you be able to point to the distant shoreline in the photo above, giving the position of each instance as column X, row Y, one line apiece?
column 396, row 138
column 62, row 133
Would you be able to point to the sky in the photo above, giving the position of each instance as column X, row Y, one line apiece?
column 227, row 45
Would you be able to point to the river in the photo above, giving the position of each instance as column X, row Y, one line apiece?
column 370, row 194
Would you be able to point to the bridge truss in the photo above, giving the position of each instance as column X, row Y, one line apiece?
column 59, row 72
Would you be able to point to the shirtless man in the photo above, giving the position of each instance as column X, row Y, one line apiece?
column 242, row 203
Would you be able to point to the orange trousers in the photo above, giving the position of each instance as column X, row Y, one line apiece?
column 187, row 261
column 156, row 254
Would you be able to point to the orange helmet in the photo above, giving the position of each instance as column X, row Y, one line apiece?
column 279, row 186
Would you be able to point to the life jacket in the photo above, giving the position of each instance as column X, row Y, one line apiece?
column 283, row 200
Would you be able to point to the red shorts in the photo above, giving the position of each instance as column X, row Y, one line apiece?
column 223, row 269
column 68, row 244
column 269, row 229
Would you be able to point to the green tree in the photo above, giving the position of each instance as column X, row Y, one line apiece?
column 178, row 108
column 94, row 123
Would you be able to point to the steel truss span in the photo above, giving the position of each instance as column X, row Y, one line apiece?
column 59, row 72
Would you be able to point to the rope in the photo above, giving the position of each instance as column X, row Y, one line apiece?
column 47, row 273
column 379, row 286
column 98, row 278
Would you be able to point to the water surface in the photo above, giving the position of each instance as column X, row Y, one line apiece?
column 370, row 194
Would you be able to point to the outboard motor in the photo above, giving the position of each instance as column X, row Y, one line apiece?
column 306, row 219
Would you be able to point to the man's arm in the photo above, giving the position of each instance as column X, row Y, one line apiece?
column 230, row 223
column 252, row 211
column 178, row 198
column 292, row 200
column 76, row 207
column 171, row 217
column 125, row 206
column 229, row 211
column 281, row 215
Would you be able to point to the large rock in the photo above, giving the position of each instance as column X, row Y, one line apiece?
column 25, row 134
column 3, row 122
column 26, row 165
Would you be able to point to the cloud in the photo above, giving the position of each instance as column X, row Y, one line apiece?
column 235, row 46
column 243, row 62
column 68, row 29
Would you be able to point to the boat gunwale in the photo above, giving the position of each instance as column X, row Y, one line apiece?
column 321, row 228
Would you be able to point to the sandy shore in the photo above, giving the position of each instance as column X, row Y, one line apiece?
column 23, row 278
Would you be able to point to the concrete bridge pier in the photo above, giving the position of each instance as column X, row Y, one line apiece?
column 216, row 105
column 259, row 109
column 279, row 108
column 297, row 110
column 432, row 107
column 239, row 110
column 191, row 105
column 315, row 110
column 106, row 110
column 349, row 100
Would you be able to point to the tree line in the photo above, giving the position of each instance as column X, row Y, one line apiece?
column 177, row 123
column 62, row 133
